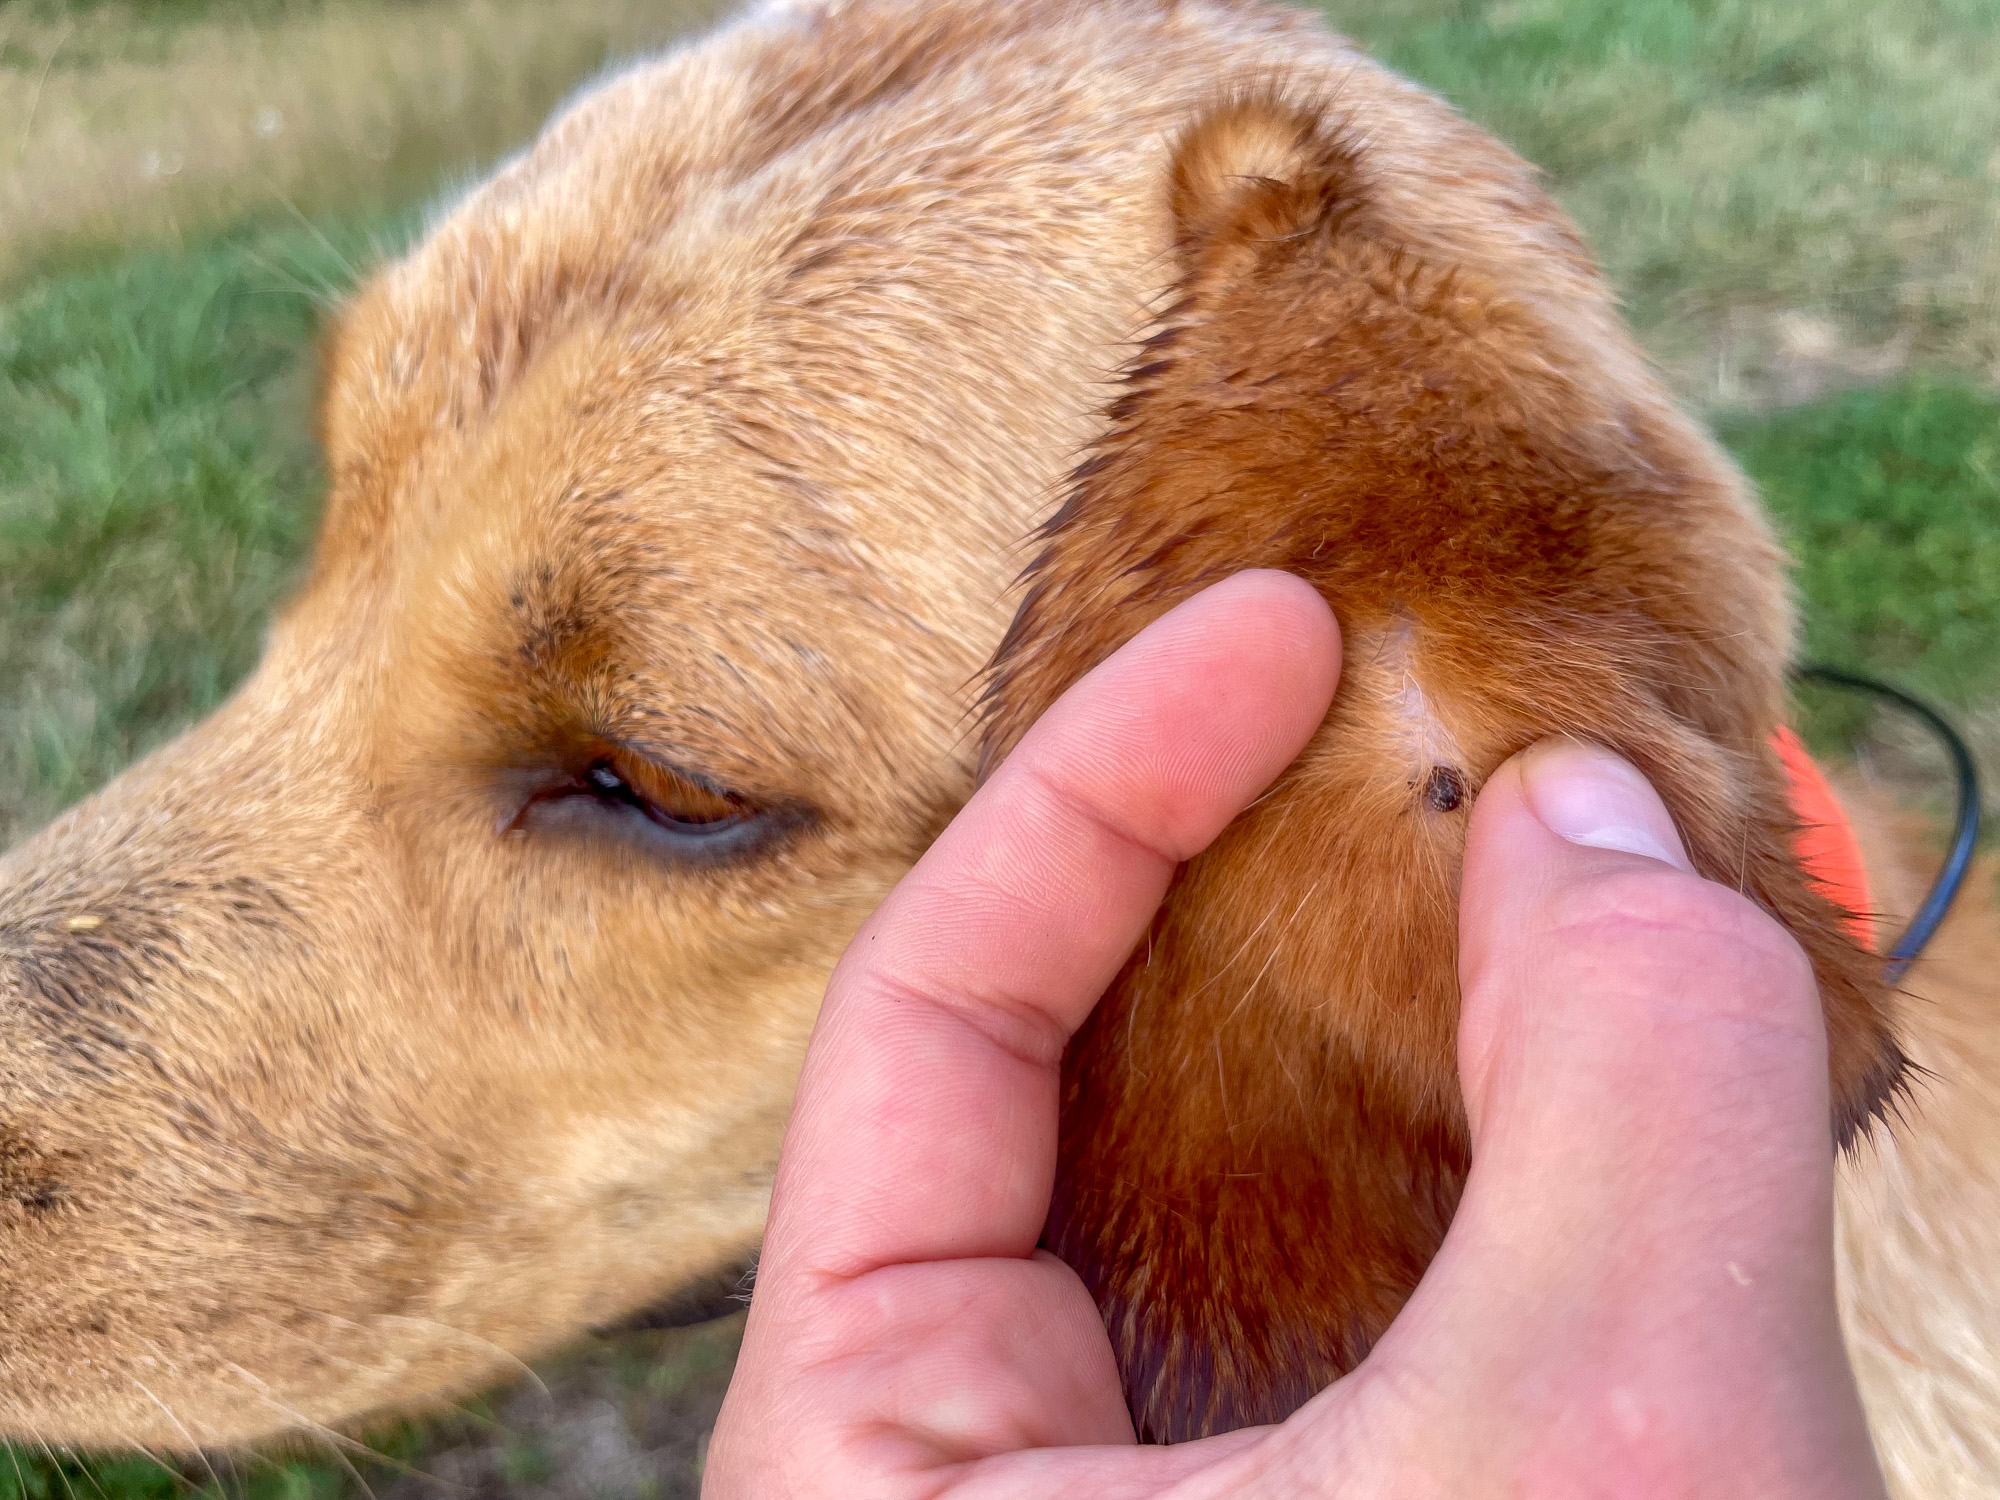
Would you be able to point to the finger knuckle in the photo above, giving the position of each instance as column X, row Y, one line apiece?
column 1680, row 917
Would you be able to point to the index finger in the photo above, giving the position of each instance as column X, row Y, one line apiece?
column 925, row 1125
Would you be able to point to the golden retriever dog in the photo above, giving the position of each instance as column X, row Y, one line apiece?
column 444, row 994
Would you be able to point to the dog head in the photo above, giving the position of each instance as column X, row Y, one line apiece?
column 445, row 992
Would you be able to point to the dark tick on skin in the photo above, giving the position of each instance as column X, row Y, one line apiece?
column 1444, row 789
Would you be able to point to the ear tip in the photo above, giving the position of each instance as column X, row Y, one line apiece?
column 1890, row 1080
column 1259, row 135
column 1255, row 163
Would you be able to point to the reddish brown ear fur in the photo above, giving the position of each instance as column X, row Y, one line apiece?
column 1262, row 1141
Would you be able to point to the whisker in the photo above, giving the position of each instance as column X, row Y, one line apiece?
column 85, row 1469
column 166, row 1467
column 507, row 1355
column 478, row 1419
column 13, row 1453
column 353, row 275
column 56, row 1464
column 327, row 1437
column 20, row 1477
column 339, row 1443
column 181, row 1427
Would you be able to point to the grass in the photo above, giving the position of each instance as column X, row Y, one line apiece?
column 1890, row 500
column 1789, row 195
column 156, row 489
column 47, row 1476
column 157, row 122
column 623, row 1405
column 1801, row 203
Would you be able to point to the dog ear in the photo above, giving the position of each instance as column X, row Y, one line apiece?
column 1262, row 1141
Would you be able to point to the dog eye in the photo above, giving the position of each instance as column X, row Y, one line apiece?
column 613, row 790
column 673, row 801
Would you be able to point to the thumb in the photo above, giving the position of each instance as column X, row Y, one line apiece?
column 1639, row 1278
column 1604, row 981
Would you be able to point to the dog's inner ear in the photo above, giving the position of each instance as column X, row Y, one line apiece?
column 1262, row 1141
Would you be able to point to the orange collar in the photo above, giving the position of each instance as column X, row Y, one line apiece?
column 1826, row 843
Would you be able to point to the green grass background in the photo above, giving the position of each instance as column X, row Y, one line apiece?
column 1800, row 202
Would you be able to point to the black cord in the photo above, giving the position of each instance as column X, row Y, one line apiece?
column 1965, row 830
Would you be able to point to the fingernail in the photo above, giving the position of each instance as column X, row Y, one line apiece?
column 1586, row 795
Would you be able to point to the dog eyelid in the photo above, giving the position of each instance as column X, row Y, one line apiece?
column 668, row 797
column 625, row 782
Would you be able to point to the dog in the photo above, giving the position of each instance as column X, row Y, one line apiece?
column 444, row 993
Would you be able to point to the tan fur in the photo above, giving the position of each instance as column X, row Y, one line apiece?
column 1918, row 1237
column 344, row 1063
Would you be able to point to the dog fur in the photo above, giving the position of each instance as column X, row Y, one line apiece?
column 1262, row 1143
column 367, row 1040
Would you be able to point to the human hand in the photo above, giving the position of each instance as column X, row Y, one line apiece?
column 1636, row 1295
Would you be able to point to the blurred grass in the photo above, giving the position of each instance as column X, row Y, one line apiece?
column 618, row 1415
column 160, row 121
column 1801, row 203
column 1789, row 196
column 1890, row 500
column 155, row 487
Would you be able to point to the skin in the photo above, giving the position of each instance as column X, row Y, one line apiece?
column 1636, row 1297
